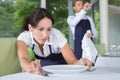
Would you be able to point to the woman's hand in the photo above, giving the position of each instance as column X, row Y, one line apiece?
column 34, row 67
column 85, row 62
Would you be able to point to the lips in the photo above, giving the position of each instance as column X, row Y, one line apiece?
column 43, row 40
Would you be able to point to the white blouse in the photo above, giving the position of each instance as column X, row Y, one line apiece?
column 56, row 40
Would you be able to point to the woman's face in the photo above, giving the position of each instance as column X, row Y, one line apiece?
column 78, row 6
column 42, row 30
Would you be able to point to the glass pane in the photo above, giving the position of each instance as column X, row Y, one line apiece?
column 114, row 27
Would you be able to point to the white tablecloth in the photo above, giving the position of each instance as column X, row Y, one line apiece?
column 108, row 61
column 101, row 73
column 107, row 68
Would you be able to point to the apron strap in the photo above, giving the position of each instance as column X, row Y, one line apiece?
column 52, row 56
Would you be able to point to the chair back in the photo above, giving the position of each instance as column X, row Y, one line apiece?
column 9, row 62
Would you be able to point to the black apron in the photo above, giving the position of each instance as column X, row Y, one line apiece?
column 52, row 59
column 80, row 31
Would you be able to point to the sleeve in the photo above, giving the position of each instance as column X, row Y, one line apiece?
column 93, row 28
column 59, row 39
column 24, row 37
column 74, row 20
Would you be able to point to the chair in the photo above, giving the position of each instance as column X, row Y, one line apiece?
column 9, row 62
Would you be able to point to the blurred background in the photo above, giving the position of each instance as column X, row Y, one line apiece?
column 13, row 12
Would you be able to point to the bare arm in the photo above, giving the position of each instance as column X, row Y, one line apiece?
column 26, row 65
column 71, row 59
column 68, row 54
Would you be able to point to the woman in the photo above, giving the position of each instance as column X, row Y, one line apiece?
column 48, row 44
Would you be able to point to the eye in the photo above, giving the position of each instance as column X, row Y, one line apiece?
column 41, row 29
column 49, row 29
column 79, row 4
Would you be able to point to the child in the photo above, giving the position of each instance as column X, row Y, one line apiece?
column 79, row 24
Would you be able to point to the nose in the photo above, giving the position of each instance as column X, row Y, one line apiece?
column 45, row 34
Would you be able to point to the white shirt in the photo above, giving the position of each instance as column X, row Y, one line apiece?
column 75, row 19
column 56, row 40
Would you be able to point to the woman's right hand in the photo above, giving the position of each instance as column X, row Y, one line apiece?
column 34, row 67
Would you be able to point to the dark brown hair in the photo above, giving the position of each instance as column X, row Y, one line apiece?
column 35, row 17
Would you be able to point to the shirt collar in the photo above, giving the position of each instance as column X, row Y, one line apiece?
column 33, row 42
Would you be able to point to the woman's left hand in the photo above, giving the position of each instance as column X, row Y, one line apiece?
column 85, row 62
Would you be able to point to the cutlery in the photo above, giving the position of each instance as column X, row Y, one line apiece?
column 91, row 69
column 43, row 73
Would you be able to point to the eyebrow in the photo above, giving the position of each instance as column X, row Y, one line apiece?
column 42, row 27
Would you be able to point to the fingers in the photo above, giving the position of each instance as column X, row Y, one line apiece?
column 87, row 6
column 38, row 67
column 34, row 67
column 31, row 67
column 90, row 35
column 81, row 62
column 85, row 62
column 88, row 63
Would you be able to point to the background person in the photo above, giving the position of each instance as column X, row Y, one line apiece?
column 79, row 23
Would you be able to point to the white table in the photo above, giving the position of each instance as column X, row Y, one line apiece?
column 108, row 61
column 107, row 68
column 101, row 73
